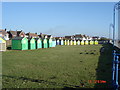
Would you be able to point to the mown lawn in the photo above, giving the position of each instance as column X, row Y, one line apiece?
column 59, row 67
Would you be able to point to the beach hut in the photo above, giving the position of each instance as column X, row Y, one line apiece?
column 68, row 43
column 62, row 43
column 57, row 42
column 31, row 43
column 20, row 43
column 91, row 42
column 78, row 42
column 74, row 42
column 50, row 42
column 71, row 42
column 53, row 42
column 2, row 44
column 82, row 42
column 86, row 42
column 38, row 43
column 45, row 43
column 65, row 42
column 96, row 42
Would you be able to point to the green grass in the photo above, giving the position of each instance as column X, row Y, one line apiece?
column 59, row 67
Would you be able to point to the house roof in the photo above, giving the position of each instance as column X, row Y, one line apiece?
column 3, row 32
column 13, row 32
column 85, row 36
column 18, row 32
column 42, row 35
column 49, row 36
column 68, row 36
column 32, row 35
column 79, row 35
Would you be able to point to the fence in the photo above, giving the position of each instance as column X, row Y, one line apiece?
column 115, row 70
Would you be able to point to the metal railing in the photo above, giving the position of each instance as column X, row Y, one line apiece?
column 115, row 70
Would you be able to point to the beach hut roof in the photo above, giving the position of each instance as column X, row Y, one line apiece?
column 37, row 38
column 2, row 38
column 29, row 38
column 13, row 32
column 18, row 38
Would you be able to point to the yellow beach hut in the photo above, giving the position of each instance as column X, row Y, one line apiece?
column 2, row 44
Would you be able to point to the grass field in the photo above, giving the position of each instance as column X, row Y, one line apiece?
column 59, row 67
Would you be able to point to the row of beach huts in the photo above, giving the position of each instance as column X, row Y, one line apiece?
column 24, row 43
column 19, row 40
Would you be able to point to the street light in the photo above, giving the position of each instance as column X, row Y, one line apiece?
column 111, row 25
column 115, row 65
column 116, row 7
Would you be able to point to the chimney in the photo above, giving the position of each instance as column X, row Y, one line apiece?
column 40, row 33
column 5, row 29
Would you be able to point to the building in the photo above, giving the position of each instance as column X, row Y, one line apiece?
column 32, row 35
column 69, row 37
column 79, row 37
column 12, row 34
column 95, row 38
column 82, row 37
column 20, row 33
column 4, row 34
column 42, row 36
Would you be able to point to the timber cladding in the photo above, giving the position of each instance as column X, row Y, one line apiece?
column 8, row 43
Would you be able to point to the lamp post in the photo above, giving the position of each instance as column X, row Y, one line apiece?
column 111, row 25
column 116, row 7
column 115, row 65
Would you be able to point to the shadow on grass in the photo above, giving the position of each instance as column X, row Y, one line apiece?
column 104, row 69
column 9, row 48
column 68, row 86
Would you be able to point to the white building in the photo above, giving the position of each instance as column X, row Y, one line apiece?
column 4, row 34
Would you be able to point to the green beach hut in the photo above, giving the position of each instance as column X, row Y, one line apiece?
column 20, row 43
column 50, row 42
column 38, row 43
column 53, row 42
column 45, row 42
column 31, row 43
